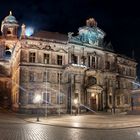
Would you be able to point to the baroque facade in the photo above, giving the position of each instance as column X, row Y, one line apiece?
column 62, row 68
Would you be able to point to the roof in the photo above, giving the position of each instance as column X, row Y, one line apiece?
column 51, row 35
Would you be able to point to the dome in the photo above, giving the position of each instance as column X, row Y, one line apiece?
column 10, row 19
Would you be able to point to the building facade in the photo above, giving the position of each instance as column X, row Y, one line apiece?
column 61, row 68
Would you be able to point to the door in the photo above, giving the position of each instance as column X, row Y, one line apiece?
column 93, row 104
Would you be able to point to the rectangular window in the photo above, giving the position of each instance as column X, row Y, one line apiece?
column 89, row 61
column 31, row 98
column 118, row 100
column 75, row 59
column 93, row 62
column 59, row 77
column 59, row 99
column 110, row 99
column 126, row 99
column 59, row 60
column 46, row 98
column 32, row 57
column 46, row 76
column 46, row 58
column 31, row 76
column 107, row 65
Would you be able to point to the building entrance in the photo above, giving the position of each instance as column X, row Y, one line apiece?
column 93, row 104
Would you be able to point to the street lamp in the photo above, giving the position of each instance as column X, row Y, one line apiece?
column 37, row 100
column 76, row 105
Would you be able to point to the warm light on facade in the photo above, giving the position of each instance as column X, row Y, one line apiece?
column 75, row 101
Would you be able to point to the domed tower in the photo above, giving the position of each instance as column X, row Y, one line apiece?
column 9, row 26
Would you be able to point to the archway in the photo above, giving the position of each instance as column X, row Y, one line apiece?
column 94, row 97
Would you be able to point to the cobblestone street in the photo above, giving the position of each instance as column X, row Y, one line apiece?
column 44, row 132
column 15, row 128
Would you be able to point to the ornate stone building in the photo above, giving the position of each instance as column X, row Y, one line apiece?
column 62, row 68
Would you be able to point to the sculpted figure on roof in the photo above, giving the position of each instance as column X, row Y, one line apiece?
column 89, row 34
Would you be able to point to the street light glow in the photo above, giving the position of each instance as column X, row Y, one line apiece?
column 92, row 94
column 37, row 98
column 75, row 101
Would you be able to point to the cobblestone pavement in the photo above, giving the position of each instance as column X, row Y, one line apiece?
column 14, row 128
column 45, row 132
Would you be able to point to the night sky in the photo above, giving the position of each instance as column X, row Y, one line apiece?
column 120, row 19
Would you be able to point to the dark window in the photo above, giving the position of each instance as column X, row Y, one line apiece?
column 32, row 57
column 89, row 61
column 93, row 62
column 59, row 99
column 107, row 65
column 31, row 98
column 92, row 80
column 59, row 59
column 46, row 58
column 110, row 99
column 126, row 99
column 59, row 77
column 31, row 76
column 118, row 100
column 74, row 59
column 46, row 76
column 8, row 32
column 46, row 98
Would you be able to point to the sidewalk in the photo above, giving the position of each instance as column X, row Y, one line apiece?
column 118, row 121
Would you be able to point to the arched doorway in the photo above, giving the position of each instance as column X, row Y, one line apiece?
column 94, row 97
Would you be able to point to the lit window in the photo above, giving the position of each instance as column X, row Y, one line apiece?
column 32, row 57
column 46, row 58
column 59, row 59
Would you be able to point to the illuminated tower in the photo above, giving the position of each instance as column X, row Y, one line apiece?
column 9, row 29
column 9, row 26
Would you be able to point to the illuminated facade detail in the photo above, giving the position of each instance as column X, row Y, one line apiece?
column 61, row 68
column 89, row 35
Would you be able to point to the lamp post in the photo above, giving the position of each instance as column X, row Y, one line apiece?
column 76, row 105
column 37, row 100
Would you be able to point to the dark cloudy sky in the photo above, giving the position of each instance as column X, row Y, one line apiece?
column 120, row 19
